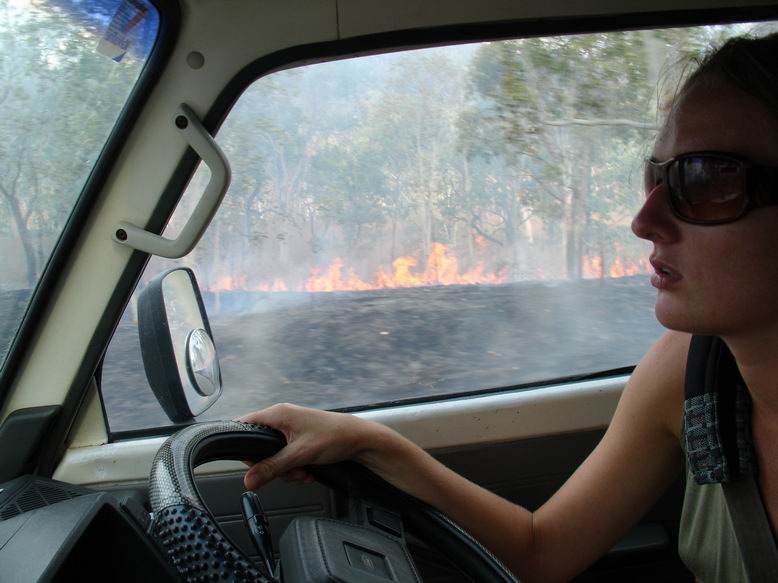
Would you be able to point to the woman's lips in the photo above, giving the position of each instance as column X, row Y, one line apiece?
column 664, row 277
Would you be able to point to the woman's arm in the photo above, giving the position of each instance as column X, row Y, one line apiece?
column 610, row 491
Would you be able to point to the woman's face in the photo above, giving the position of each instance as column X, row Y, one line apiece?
column 721, row 279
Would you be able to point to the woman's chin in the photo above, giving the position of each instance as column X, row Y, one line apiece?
column 675, row 316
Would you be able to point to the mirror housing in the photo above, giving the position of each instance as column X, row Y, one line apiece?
column 177, row 346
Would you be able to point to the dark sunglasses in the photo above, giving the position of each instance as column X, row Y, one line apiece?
column 712, row 188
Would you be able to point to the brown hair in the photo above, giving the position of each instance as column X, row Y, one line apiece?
column 749, row 64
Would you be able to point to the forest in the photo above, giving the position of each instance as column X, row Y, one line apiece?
column 490, row 163
column 486, row 163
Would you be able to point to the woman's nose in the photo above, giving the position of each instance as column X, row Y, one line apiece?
column 655, row 219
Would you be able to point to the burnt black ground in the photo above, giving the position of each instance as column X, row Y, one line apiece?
column 346, row 349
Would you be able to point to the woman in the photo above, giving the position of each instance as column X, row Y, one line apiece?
column 716, row 273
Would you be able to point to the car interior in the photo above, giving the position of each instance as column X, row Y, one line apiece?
column 413, row 211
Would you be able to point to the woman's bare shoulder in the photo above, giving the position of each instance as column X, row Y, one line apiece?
column 657, row 384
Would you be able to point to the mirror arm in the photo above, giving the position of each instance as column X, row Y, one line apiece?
column 203, row 143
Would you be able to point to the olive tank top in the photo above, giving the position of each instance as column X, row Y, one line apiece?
column 706, row 539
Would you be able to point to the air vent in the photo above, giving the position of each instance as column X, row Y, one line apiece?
column 52, row 494
column 31, row 492
column 30, row 499
column 9, row 512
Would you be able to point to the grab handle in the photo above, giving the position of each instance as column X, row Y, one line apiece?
column 203, row 143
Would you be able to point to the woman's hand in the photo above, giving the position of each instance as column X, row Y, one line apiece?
column 313, row 437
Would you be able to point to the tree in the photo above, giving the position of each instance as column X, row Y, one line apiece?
column 557, row 104
column 64, row 98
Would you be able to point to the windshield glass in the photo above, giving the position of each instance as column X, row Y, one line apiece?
column 428, row 223
column 66, row 70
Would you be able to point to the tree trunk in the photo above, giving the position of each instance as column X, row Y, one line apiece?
column 393, row 246
column 25, row 238
column 580, row 194
column 426, row 231
column 216, row 266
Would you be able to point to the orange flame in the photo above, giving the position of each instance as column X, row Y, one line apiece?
column 593, row 267
column 332, row 279
column 228, row 283
column 278, row 285
column 442, row 268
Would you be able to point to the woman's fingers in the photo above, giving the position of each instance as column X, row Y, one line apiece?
column 273, row 467
column 275, row 416
column 313, row 437
column 268, row 469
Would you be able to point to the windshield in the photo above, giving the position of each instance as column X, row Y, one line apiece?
column 66, row 70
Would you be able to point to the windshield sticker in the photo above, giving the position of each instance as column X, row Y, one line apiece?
column 116, row 40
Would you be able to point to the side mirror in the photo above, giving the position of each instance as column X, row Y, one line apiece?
column 177, row 346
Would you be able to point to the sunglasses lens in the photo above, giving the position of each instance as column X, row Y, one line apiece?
column 708, row 188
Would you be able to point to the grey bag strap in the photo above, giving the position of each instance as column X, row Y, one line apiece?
column 752, row 530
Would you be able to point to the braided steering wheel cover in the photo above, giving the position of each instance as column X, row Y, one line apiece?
column 182, row 526
column 171, row 480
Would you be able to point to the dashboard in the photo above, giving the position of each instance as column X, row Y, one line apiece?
column 53, row 531
column 57, row 532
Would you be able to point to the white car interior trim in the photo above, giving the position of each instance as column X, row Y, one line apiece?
column 214, row 158
column 89, row 427
column 434, row 426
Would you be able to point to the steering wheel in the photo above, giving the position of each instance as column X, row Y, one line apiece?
column 195, row 545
